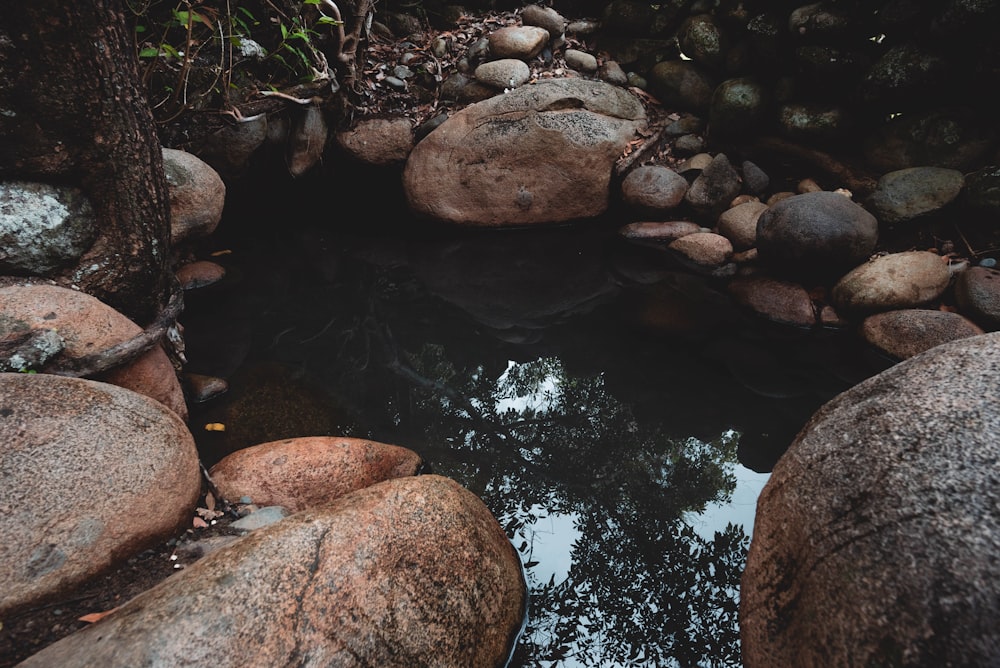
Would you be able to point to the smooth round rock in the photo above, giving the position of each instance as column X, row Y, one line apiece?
column 78, row 458
column 816, row 234
column 894, row 281
column 907, row 332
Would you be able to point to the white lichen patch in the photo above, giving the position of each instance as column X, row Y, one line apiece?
column 42, row 227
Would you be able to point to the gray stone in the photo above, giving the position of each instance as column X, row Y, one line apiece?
column 876, row 536
column 906, row 194
column 977, row 291
column 816, row 235
column 682, row 84
column 43, row 227
column 713, row 191
column 503, row 74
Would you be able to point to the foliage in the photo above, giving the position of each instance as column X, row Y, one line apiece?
column 211, row 54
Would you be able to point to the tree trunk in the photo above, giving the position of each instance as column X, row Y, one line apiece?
column 72, row 110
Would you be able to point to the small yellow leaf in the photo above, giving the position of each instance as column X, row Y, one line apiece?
column 215, row 426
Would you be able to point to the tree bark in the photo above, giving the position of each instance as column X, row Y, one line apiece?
column 73, row 111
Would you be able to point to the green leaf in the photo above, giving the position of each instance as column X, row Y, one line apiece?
column 284, row 31
column 149, row 52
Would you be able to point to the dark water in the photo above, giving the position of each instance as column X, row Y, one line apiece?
column 602, row 402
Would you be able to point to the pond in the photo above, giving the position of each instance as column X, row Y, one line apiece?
column 616, row 413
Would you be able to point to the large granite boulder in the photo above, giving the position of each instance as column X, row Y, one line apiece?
column 877, row 534
column 542, row 153
column 92, row 474
column 413, row 571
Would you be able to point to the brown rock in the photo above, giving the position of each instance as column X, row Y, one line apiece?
column 413, row 571
column 89, row 326
column 92, row 474
column 378, row 141
column 301, row 473
column 908, row 332
column 779, row 301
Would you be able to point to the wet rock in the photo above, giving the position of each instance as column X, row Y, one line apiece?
column 906, row 194
column 739, row 106
column 199, row 274
column 229, row 149
column 197, row 195
column 982, row 190
column 653, row 190
column 818, row 234
column 894, row 281
column 521, row 42
column 814, row 123
column 703, row 41
column 411, row 571
column 876, row 535
column 907, row 332
column 739, row 224
column 381, row 142
column 88, row 326
column 201, row 388
column 75, row 457
column 539, row 154
column 776, row 300
column 43, row 227
column 682, row 84
column 304, row 472
column 977, row 292
column 950, row 139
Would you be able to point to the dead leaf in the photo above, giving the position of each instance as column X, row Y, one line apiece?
column 92, row 617
column 199, row 523
column 209, row 500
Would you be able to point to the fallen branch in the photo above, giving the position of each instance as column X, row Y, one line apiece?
column 861, row 185
column 124, row 352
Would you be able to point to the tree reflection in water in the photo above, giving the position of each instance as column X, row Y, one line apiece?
column 643, row 587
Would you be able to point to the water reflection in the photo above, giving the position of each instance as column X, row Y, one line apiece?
column 596, row 401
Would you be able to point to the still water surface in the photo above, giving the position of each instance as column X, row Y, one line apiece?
column 616, row 413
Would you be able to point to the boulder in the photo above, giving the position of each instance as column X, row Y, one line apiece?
column 542, row 153
column 92, row 474
column 300, row 473
column 86, row 326
column 876, row 536
column 412, row 571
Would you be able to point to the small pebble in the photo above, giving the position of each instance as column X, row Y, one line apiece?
column 988, row 262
